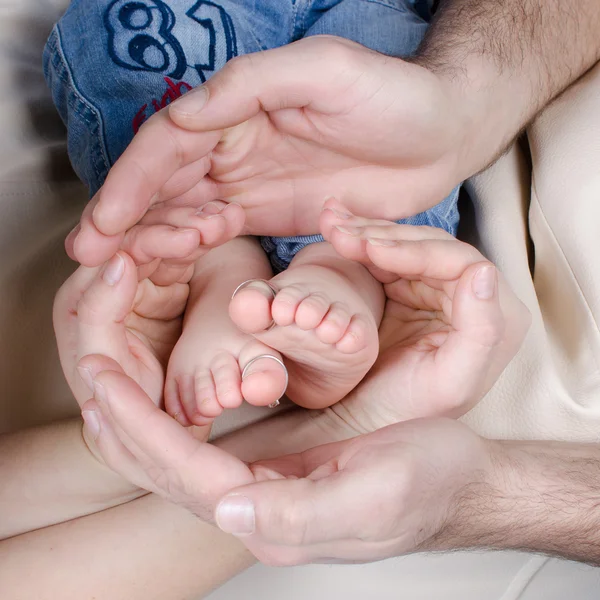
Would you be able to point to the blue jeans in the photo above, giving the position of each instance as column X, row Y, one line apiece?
column 112, row 63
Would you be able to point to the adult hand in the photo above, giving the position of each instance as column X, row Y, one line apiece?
column 440, row 345
column 320, row 117
column 451, row 322
column 132, row 324
column 393, row 491
column 107, row 311
column 384, row 494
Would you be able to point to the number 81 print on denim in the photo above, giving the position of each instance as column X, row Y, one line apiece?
column 142, row 36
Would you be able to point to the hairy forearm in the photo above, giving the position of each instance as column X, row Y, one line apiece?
column 540, row 497
column 510, row 58
column 49, row 476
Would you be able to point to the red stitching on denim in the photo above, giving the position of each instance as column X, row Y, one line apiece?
column 174, row 91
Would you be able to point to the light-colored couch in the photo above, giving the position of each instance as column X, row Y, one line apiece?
column 541, row 218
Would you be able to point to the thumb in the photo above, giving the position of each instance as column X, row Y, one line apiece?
column 476, row 310
column 102, row 309
column 293, row 76
column 478, row 328
column 295, row 512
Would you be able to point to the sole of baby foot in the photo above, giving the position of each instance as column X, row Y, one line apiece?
column 199, row 391
column 328, row 345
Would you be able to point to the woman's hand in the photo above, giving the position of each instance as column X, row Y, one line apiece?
column 450, row 327
column 107, row 311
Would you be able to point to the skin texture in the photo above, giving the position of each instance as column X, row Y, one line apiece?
column 478, row 73
column 292, row 126
column 466, row 325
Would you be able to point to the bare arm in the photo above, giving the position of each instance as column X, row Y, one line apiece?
column 49, row 476
column 146, row 549
column 510, row 58
column 540, row 497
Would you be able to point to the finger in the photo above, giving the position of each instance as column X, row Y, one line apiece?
column 349, row 243
column 160, row 302
column 169, row 273
column 293, row 512
column 426, row 258
column 89, row 367
column 203, row 191
column 70, row 240
column 111, row 449
column 104, row 306
column 478, row 327
column 134, row 181
column 292, row 76
column 90, row 246
column 65, row 322
column 186, row 178
column 168, row 445
column 216, row 221
column 144, row 243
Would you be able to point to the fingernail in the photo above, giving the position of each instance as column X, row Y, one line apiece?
column 339, row 214
column 191, row 102
column 114, row 270
column 484, row 282
column 354, row 231
column 235, row 515
column 210, row 208
column 99, row 392
column 75, row 231
column 381, row 242
column 86, row 375
column 90, row 418
column 186, row 231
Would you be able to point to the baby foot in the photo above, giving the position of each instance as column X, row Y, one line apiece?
column 214, row 366
column 319, row 322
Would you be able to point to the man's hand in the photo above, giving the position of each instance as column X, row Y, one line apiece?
column 383, row 494
column 321, row 117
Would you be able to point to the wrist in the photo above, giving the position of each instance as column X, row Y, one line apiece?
column 490, row 109
column 507, row 59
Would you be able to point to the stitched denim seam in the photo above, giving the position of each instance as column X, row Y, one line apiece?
column 82, row 101
column 401, row 9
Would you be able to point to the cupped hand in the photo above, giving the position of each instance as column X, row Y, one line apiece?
column 451, row 322
column 383, row 494
column 282, row 130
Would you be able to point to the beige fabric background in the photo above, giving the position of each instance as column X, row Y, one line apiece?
column 551, row 390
